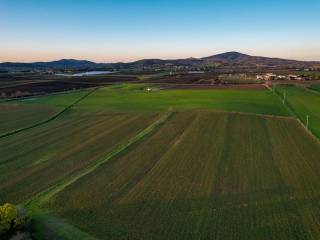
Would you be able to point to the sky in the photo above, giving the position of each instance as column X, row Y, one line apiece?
column 127, row 30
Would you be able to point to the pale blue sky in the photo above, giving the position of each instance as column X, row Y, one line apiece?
column 123, row 30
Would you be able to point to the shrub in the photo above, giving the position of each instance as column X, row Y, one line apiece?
column 8, row 214
column 12, row 218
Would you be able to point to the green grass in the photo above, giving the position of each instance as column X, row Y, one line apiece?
column 35, row 159
column 304, row 103
column 24, row 113
column 39, row 122
column 153, row 75
column 315, row 87
column 204, row 175
column 16, row 116
column 128, row 98
column 58, row 100
column 50, row 227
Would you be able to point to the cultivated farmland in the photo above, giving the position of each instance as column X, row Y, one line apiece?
column 58, row 100
column 16, row 116
column 120, row 162
column 204, row 175
column 29, row 112
column 129, row 97
column 32, row 160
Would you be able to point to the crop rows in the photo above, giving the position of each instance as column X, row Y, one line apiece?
column 33, row 160
column 16, row 116
column 204, row 175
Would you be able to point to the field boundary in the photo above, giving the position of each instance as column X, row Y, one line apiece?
column 250, row 114
column 49, row 119
column 294, row 113
column 308, row 89
column 12, row 99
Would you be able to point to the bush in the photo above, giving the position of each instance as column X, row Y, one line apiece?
column 8, row 214
column 12, row 219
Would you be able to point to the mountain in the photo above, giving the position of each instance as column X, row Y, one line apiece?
column 67, row 63
column 60, row 64
column 230, row 59
column 248, row 60
column 161, row 62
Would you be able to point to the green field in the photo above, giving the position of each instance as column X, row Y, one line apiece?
column 303, row 103
column 315, row 87
column 33, row 160
column 20, row 116
column 58, row 100
column 204, row 175
column 16, row 116
column 127, row 97
column 122, row 163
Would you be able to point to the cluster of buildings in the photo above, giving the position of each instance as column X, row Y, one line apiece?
column 272, row 76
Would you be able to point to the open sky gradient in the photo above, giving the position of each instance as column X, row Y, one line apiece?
column 126, row 30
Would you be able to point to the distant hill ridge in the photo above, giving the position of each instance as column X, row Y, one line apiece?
column 225, row 58
column 63, row 63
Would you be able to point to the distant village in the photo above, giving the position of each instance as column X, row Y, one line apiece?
column 272, row 77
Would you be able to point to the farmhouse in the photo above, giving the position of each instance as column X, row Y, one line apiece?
column 267, row 77
column 293, row 77
column 271, row 76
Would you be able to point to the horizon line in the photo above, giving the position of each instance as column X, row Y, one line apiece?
column 139, row 59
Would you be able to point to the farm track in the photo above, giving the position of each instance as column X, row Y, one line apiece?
column 44, row 196
column 49, row 119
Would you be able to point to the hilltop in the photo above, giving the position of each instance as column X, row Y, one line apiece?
column 229, row 59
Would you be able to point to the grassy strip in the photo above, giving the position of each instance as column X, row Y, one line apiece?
column 49, row 119
column 308, row 89
column 286, row 103
column 46, row 226
column 294, row 113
